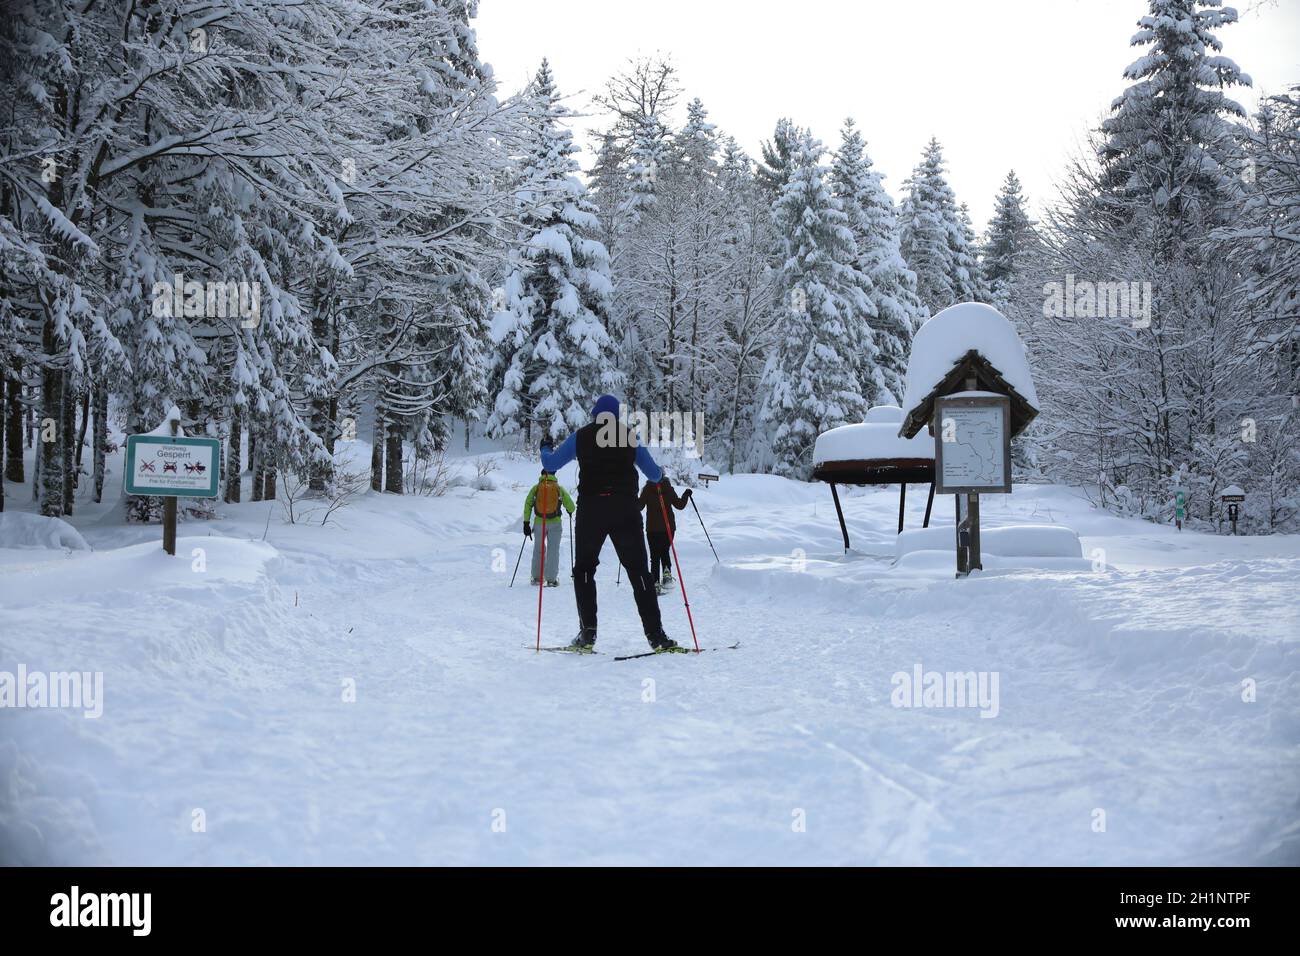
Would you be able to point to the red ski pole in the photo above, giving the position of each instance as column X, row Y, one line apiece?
column 681, row 579
column 541, row 582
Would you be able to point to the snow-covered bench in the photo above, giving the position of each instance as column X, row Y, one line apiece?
column 873, row 453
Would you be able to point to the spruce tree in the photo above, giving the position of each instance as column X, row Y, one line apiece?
column 1009, row 237
column 811, row 382
column 934, row 240
column 551, row 332
column 897, row 311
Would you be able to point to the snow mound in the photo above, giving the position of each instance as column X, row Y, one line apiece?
column 1018, row 541
column 942, row 341
column 22, row 530
column 199, row 563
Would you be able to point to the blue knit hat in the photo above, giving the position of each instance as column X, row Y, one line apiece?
column 606, row 403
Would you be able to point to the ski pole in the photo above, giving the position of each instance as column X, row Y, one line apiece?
column 571, row 544
column 541, row 583
column 681, row 578
column 518, row 559
column 706, row 531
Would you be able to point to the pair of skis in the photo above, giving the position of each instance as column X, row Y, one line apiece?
column 569, row 649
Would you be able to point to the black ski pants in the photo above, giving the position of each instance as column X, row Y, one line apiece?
column 617, row 517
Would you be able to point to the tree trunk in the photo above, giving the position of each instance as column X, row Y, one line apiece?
column 255, row 465
column 393, row 464
column 67, row 431
column 323, row 409
column 234, row 456
column 81, row 434
column 15, row 414
column 4, row 417
column 36, row 477
column 100, row 439
column 51, row 495
column 268, row 484
column 377, row 450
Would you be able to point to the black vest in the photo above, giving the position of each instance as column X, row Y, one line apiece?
column 610, row 469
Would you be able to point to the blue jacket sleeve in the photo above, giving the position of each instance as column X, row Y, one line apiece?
column 555, row 460
column 647, row 464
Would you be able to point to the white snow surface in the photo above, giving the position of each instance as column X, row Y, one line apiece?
column 1120, row 689
column 1021, row 541
column 944, row 338
column 876, row 438
column 22, row 530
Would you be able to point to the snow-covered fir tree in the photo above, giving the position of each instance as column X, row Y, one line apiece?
column 896, row 310
column 934, row 240
column 1151, row 398
column 551, row 332
column 811, row 381
column 1007, row 243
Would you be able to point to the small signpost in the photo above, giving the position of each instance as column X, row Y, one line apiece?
column 166, row 464
column 1180, row 507
column 972, row 456
column 1232, row 496
column 971, row 406
column 706, row 477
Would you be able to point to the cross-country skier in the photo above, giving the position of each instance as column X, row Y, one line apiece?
column 608, row 456
column 543, row 502
column 656, row 535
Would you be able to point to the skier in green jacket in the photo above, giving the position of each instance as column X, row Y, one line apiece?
column 543, row 502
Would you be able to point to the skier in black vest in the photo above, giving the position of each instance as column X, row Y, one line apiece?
column 608, row 456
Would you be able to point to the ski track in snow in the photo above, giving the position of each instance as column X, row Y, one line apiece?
column 1120, row 690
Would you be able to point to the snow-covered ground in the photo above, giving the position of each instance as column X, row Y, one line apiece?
column 1120, row 685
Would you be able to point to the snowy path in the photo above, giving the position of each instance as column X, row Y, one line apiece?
column 1120, row 690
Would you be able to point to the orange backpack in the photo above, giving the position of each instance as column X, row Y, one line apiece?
column 546, row 503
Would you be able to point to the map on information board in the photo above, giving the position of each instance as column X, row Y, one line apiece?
column 971, row 446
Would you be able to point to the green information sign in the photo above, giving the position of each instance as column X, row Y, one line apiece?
column 177, row 467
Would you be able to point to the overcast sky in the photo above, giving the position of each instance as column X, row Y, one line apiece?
column 1007, row 85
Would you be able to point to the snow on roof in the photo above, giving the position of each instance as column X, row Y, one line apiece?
column 873, row 440
column 883, row 413
column 1231, row 490
column 942, row 341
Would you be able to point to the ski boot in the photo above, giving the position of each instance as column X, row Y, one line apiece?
column 552, row 584
column 585, row 642
column 661, row 643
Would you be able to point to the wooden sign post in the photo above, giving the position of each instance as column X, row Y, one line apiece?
column 1232, row 496
column 972, row 456
column 166, row 464
column 972, row 408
